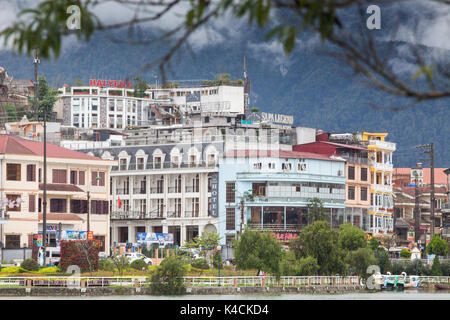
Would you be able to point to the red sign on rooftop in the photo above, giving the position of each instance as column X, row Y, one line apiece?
column 109, row 83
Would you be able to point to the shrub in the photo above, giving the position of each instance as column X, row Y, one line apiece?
column 405, row 253
column 445, row 267
column 139, row 265
column 436, row 267
column 30, row 265
column 200, row 264
column 82, row 253
column 11, row 270
column 121, row 263
column 106, row 265
column 49, row 270
column 397, row 268
column 167, row 278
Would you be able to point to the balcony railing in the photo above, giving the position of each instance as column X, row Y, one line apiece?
column 275, row 227
column 131, row 215
column 174, row 190
column 173, row 214
column 156, row 190
column 192, row 189
column 191, row 214
column 164, row 165
column 122, row 191
column 139, row 190
column 356, row 160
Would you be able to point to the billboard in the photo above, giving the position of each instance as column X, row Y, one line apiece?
column 149, row 237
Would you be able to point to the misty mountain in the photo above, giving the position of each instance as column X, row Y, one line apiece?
column 318, row 90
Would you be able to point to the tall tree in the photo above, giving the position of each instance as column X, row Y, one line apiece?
column 316, row 211
column 140, row 85
column 351, row 238
column 320, row 241
column 256, row 250
column 47, row 98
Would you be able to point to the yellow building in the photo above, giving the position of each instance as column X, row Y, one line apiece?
column 71, row 177
column 381, row 167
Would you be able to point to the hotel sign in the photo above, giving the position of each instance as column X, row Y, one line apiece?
column 110, row 83
column 214, row 194
column 270, row 118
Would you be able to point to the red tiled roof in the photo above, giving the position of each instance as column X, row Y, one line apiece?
column 276, row 154
column 61, row 187
column 439, row 176
column 60, row 216
column 10, row 144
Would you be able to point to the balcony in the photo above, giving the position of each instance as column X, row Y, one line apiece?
column 174, row 190
column 389, row 146
column 382, row 188
column 275, row 227
column 173, row 214
column 192, row 189
column 164, row 165
column 382, row 166
column 156, row 190
column 355, row 160
column 446, row 207
column 136, row 215
column 139, row 191
column 191, row 214
column 122, row 191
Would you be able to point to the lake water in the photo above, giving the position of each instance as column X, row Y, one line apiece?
column 421, row 294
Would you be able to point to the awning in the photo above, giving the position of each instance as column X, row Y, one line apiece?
column 61, row 187
column 60, row 216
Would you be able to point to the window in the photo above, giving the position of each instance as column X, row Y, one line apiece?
column 363, row 194
column 351, row 173
column 123, row 164
column 98, row 178
column 230, row 218
column 12, row 241
column 59, row 176
column 40, row 174
column 58, row 205
column 195, row 207
column 160, row 207
column 99, row 207
column 257, row 166
column 12, row 198
column 301, row 166
column 81, row 178
column 363, row 174
column 13, row 171
column 286, row 167
column 230, row 194
column 73, row 177
column 351, row 193
column 31, row 203
column 31, row 172
column 78, row 206
column 140, row 163
column 160, row 185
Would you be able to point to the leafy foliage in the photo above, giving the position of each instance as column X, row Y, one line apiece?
column 405, row 253
column 316, row 211
column 167, row 278
column 321, row 242
column 290, row 266
column 255, row 250
column 437, row 246
column 82, row 253
column 351, row 238
column 200, row 264
column 436, row 267
column 121, row 262
column 47, row 97
column 360, row 259
column 139, row 264
column 383, row 260
column 30, row 265
column 140, row 86
column 106, row 265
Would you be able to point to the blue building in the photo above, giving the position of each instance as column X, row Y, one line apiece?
column 271, row 190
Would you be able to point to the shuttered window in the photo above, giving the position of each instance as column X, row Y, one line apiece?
column 59, row 176
column 230, row 218
column 81, row 178
column 31, row 172
column 31, row 203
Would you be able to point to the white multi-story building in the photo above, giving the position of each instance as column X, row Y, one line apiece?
column 117, row 107
column 164, row 188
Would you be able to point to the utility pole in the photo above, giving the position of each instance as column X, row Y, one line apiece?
column 416, row 210
column 88, row 210
column 429, row 149
column 35, row 104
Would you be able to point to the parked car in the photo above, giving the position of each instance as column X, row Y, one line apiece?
column 132, row 256
column 102, row 256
